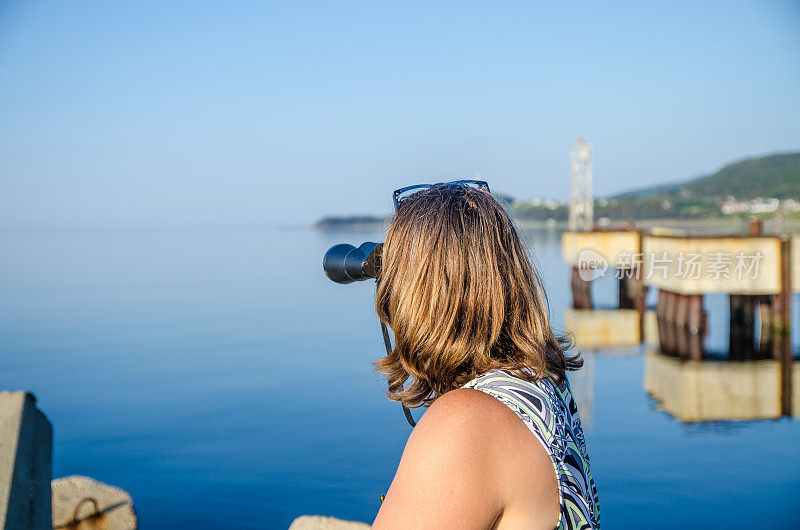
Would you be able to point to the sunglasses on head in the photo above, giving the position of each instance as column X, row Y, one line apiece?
column 404, row 193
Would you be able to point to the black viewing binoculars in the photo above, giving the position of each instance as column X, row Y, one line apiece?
column 345, row 263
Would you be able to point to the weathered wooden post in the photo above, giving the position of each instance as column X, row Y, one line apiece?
column 581, row 291
column 681, row 324
column 681, row 310
column 632, row 292
column 765, row 333
column 625, row 292
column 742, row 315
column 664, row 335
column 671, row 317
column 670, row 300
column 756, row 226
column 783, row 321
column 695, row 326
column 696, row 317
column 741, row 333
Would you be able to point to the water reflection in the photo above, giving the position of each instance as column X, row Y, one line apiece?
column 687, row 382
column 605, row 328
column 707, row 390
column 582, row 383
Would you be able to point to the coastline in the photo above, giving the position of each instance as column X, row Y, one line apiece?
column 692, row 226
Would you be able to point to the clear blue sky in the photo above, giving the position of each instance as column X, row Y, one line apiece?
column 120, row 113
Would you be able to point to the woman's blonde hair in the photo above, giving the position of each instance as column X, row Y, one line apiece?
column 461, row 297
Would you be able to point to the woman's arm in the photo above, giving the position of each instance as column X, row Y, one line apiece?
column 445, row 478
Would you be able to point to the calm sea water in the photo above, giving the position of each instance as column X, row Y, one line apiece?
column 219, row 377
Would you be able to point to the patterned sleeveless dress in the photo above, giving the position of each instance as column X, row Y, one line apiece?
column 550, row 413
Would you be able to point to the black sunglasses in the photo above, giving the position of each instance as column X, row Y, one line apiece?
column 404, row 193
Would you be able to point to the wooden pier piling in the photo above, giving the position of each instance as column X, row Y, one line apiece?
column 783, row 337
column 681, row 323
column 581, row 291
column 741, row 332
column 632, row 292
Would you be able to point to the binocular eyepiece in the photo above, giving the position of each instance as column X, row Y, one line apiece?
column 345, row 263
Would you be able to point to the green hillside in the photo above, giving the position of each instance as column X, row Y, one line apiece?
column 774, row 176
column 770, row 176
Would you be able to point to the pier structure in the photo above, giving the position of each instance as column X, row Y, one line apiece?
column 758, row 272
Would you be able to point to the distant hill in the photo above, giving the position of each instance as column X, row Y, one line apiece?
column 774, row 176
column 650, row 191
column 769, row 176
column 365, row 221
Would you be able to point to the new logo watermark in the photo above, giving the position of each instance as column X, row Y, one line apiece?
column 591, row 265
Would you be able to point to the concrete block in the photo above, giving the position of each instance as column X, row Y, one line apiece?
column 663, row 254
column 611, row 244
column 318, row 522
column 26, row 453
column 82, row 503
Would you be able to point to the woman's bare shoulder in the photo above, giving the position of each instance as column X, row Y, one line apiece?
column 463, row 425
column 461, row 465
column 445, row 471
column 467, row 407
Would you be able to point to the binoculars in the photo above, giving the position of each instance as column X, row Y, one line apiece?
column 345, row 263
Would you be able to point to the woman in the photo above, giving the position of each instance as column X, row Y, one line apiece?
column 501, row 444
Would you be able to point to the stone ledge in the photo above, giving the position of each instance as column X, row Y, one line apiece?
column 319, row 522
column 26, row 448
column 114, row 507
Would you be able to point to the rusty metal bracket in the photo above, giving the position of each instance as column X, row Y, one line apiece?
column 78, row 510
column 94, row 519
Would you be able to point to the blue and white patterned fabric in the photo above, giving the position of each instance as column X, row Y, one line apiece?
column 551, row 414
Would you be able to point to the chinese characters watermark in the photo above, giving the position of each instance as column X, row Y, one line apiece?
column 662, row 265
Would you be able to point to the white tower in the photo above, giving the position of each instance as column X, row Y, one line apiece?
column 581, row 193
